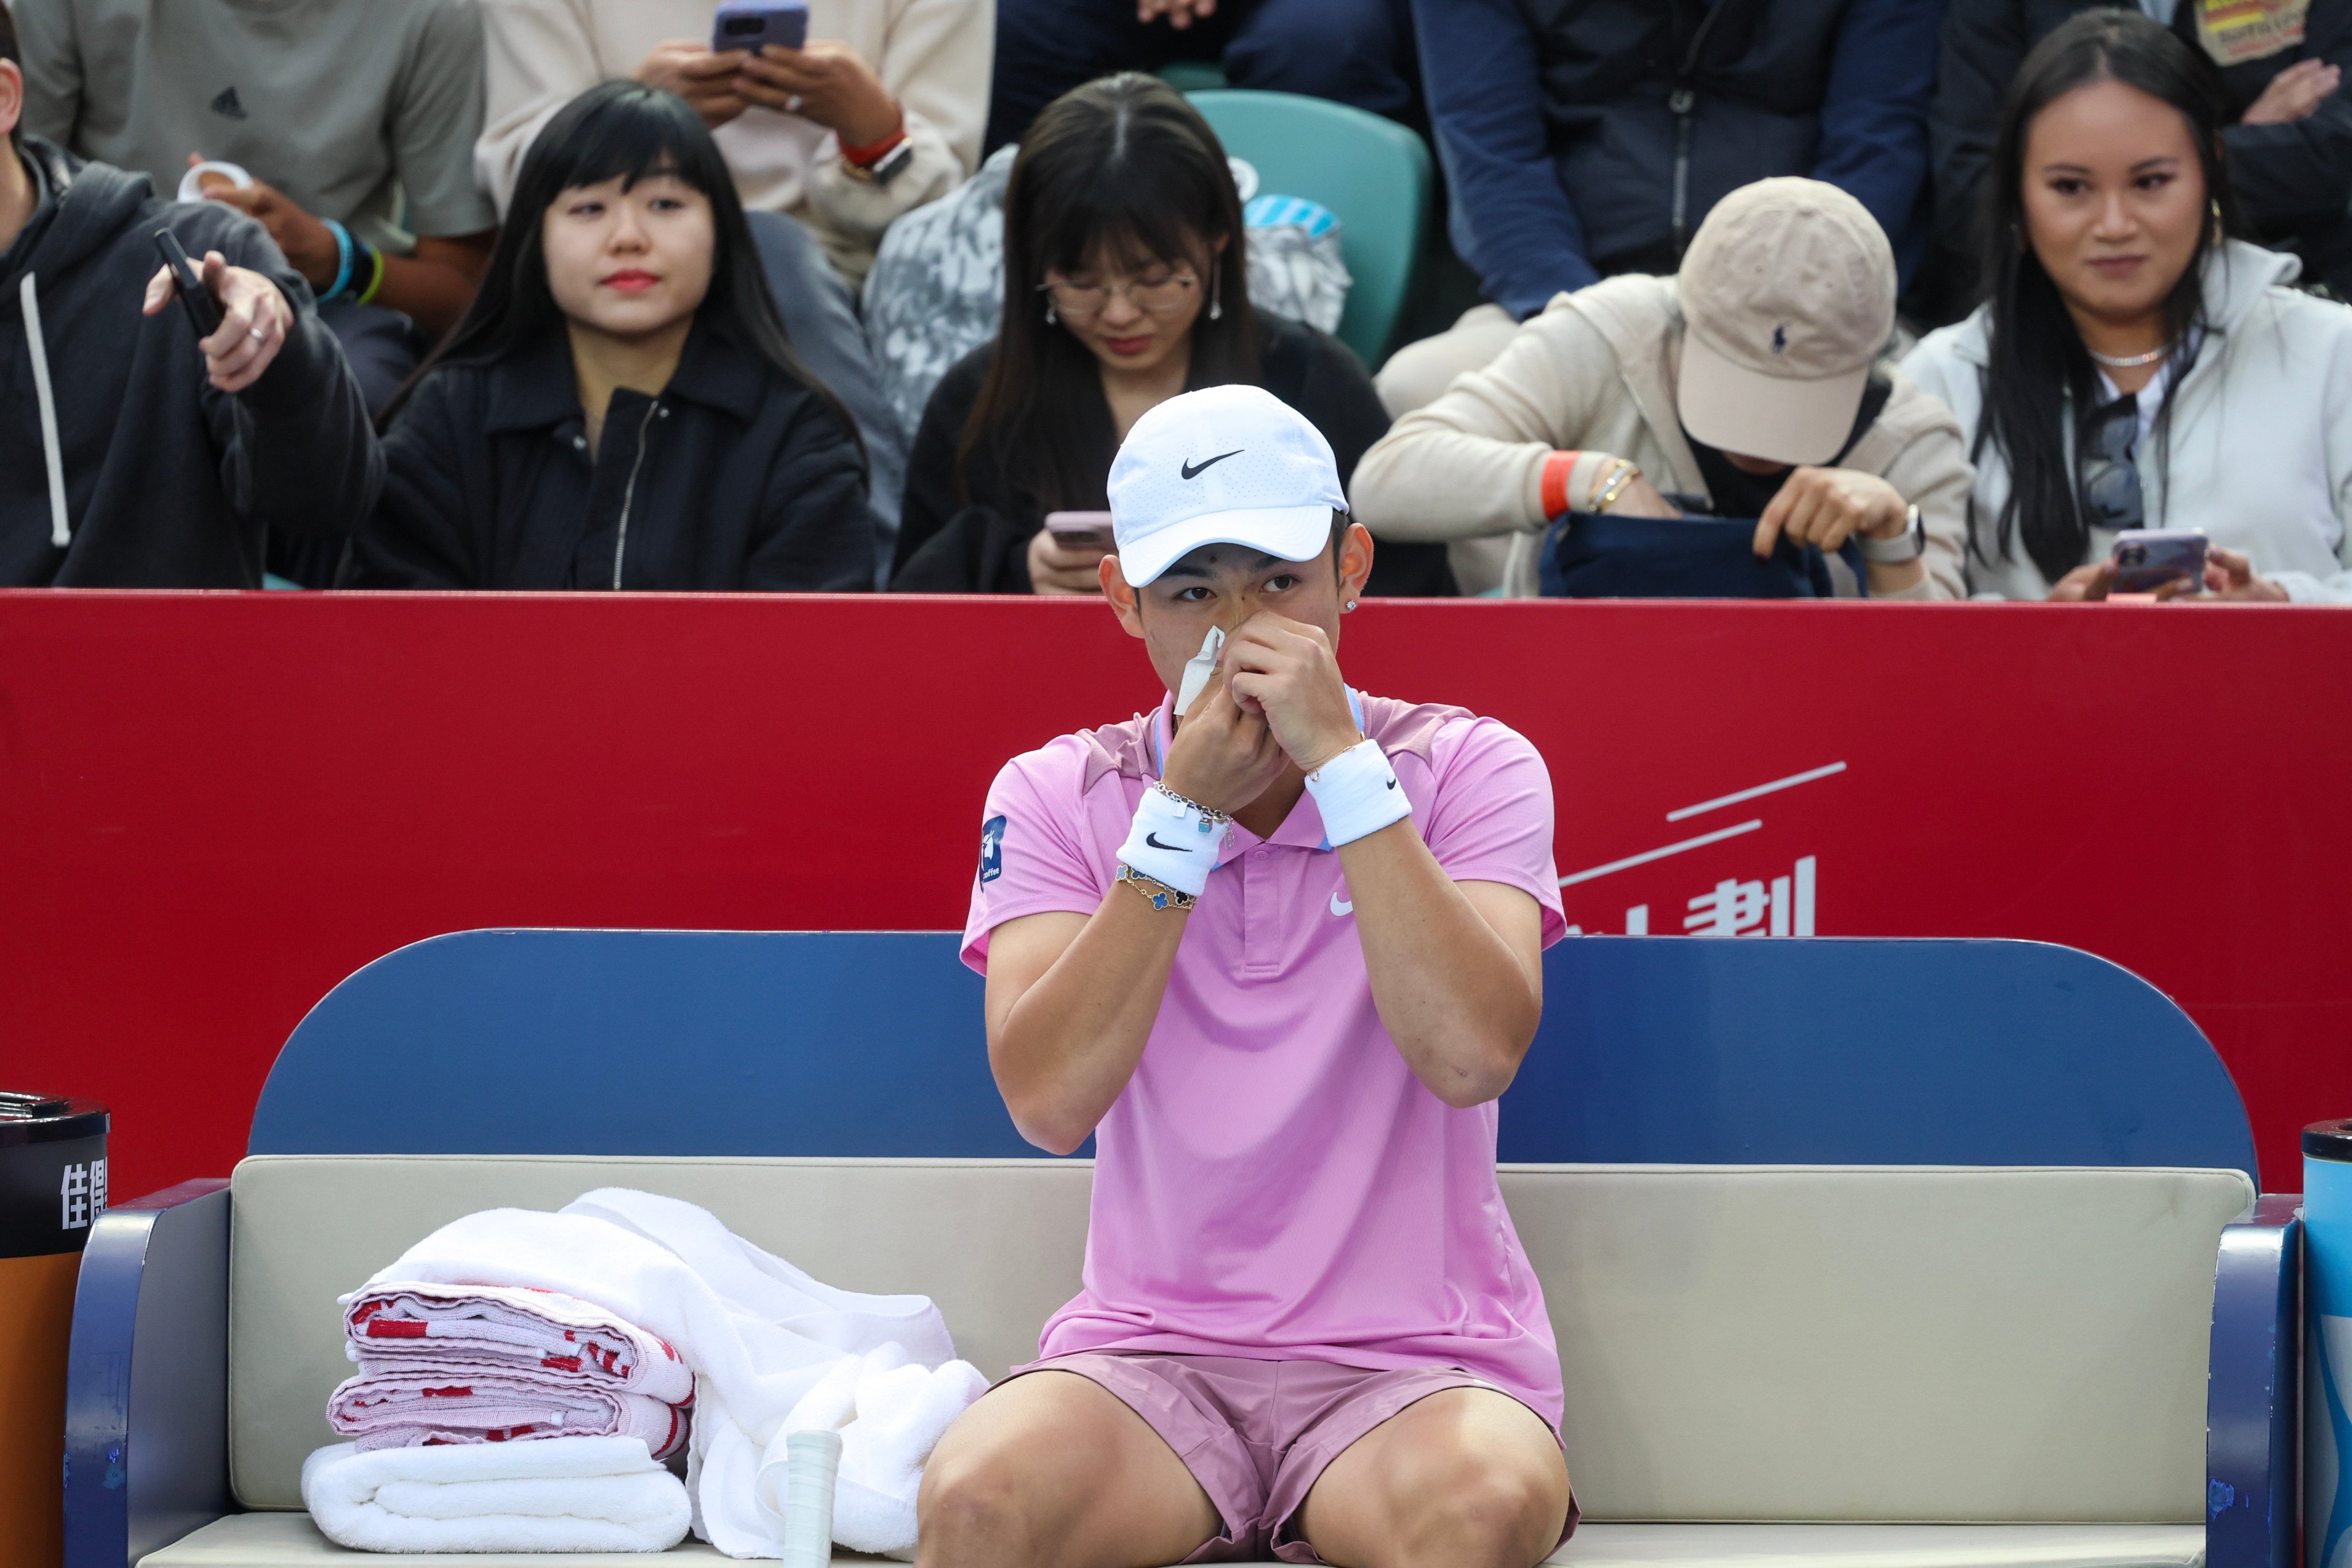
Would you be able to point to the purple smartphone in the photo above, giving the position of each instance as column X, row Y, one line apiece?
column 753, row 25
column 2147, row 558
column 1079, row 529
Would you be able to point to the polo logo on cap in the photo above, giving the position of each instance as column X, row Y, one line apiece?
column 1194, row 471
column 1780, row 339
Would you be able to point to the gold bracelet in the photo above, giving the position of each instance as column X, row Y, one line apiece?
column 1159, row 894
column 1625, row 474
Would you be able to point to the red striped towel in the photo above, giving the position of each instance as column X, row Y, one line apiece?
column 418, row 1409
column 400, row 1328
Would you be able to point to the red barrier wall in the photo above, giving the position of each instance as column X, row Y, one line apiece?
column 214, row 807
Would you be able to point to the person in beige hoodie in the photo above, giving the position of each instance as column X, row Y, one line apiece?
column 1746, row 386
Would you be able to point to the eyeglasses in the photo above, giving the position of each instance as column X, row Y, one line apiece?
column 2111, row 492
column 1083, row 301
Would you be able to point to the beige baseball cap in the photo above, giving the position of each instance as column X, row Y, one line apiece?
column 1788, row 294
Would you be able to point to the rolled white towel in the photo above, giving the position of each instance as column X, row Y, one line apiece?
column 553, row 1494
column 891, row 1411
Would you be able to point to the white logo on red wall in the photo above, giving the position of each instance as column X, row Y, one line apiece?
column 1770, row 902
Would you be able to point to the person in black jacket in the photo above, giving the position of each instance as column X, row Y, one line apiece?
column 2289, row 147
column 1125, row 284
column 131, row 455
column 620, row 408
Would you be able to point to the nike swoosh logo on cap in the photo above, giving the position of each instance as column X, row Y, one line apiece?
column 1194, row 471
column 1153, row 839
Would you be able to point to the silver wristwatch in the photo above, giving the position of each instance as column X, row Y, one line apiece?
column 1908, row 545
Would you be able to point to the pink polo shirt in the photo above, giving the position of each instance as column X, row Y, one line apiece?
column 1273, row 1183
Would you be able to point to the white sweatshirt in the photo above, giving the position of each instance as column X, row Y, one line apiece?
column 932, row 55
column 2261, row 443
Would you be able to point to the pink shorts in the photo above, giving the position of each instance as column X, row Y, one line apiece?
column 1257, row 1434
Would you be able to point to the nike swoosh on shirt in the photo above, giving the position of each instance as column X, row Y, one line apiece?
column 1194, row 471
column 1340, row 906
column 1153, row 839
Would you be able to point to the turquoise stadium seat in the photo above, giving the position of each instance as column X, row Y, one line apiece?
column 1192, row 75
column 1373, row 174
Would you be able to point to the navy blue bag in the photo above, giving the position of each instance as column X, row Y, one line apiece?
column 1602, row 555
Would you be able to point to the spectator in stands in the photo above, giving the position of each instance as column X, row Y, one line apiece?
column 2288, row 132
column 2135, row 367
column 1125, row 283
column 130, row 454
column 1307, row 1327
column 1357, row 52
column 880, row 113
column 356, row 120
column 621, row 408
column 1584, row 138
column 1783, row 415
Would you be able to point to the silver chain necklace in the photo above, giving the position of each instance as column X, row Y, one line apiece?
column 2129, row 361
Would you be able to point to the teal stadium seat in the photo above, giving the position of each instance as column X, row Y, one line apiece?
column 1373, row 174
column 1192, row 75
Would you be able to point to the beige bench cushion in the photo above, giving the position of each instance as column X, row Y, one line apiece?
column 1905, row 1345
column 290, row 1540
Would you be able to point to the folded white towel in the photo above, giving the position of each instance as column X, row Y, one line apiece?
column 558, row 1494
column 759, row 1334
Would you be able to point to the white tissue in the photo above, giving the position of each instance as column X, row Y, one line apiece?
column 1198, row 670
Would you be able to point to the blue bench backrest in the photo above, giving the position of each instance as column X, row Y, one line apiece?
column 861, row 1043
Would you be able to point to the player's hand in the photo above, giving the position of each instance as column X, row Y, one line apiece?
column 1053, row 570
column 309, row 245
column 1180, row 14
column 255, row 320
column 827, row 82
column 1222, row 756
column 706, row 80
column 1826, row 507
column 2293, row 93
column 1284, row 669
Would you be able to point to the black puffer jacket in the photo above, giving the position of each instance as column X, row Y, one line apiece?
column 734, row 478
column 168, row 483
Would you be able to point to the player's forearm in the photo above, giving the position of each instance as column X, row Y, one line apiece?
column 433, row 294
column 1450, row 991
column 1065, row 1048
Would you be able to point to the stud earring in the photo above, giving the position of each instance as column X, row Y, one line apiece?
column 1216, row 295
column 1351, row 604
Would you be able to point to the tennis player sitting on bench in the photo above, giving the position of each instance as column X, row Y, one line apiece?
column 1307, row 1328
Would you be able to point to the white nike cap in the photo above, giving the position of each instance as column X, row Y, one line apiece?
column 1226, row 465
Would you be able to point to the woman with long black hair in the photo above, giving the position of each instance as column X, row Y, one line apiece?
column 2134, row 365
column 620, row 408
column 1125, row 282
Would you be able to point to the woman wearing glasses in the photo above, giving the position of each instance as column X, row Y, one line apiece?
column 2134, row 367
column 1125, row 285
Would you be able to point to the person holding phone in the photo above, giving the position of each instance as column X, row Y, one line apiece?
column 621, row 409
column 1125, row 284
column 877, row 112
column 1752, row 392
column 2136, row 366
column 132, row 452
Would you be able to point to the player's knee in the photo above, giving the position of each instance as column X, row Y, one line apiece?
column 1476, row 1514
column 971, row 1512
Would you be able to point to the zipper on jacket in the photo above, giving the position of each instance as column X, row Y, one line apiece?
column 1682, row 102
column 629, row 491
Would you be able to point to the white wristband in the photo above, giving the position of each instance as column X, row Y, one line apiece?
column 1357, row 792
column 1172, row 844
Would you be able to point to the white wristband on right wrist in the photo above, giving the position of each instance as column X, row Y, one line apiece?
column 1356, row 794
column 1171, row 843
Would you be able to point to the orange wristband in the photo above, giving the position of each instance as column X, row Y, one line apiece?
column 1553, row 495
column 873, row 153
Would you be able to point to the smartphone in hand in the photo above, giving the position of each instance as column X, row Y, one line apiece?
column 753, row 25
column 204, row 311
column 2147, row 558
column 1080, row 530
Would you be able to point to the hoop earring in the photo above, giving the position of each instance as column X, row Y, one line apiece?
column 1216, row 294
